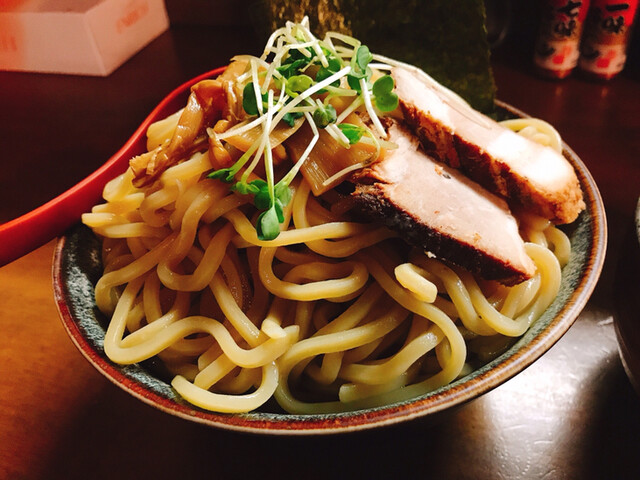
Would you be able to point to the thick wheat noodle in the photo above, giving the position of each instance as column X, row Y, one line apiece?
column 329, row 316
column 350, row 318
column 206, row 267
column 337, row 248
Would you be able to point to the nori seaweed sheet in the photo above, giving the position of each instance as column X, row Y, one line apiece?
column 447, row 39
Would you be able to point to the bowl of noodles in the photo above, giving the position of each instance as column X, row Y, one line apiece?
column 207, row 289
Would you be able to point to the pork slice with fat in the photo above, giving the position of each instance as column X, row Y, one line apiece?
column 437, row 208
column 529, row 174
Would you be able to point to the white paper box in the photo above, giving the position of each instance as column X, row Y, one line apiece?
column 86, row 37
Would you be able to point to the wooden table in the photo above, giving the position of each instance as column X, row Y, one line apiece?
column 573, row 414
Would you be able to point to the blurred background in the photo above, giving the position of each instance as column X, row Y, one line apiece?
column 512, row 25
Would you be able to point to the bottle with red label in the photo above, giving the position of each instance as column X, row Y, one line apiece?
column 557, row 47
column 606, row 36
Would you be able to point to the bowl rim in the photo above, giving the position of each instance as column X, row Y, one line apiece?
column 454, row 394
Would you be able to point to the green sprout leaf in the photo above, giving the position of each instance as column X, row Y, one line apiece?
column 290, row 117
column 333, row 66
column 225, row 174
column 268, row 226
column 383, row 85
column 387, row 103
column 283, row 192
column 324, row 116
column 279, row 211
column 326, row 73
column 352, row 132
column 250, row 188
column 258, row 184
column 360, row 67
column 241, row 187
column 296, row 54
column 249, row 101
column 361, row 60
column 354, row 80
column 262, row 199
column 288, row 70
column 298, row 84
column 386, row 100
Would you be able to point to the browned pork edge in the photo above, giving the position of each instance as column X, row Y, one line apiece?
column 559, row 200
column 446, row 248
column 419, row 215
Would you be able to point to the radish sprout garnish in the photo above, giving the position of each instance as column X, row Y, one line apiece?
column 297, row 79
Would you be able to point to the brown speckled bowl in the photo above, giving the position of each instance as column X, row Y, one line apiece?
column 77, row 267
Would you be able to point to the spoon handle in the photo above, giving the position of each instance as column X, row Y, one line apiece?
column 35, row 228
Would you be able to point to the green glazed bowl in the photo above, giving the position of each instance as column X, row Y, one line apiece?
column 77, row 266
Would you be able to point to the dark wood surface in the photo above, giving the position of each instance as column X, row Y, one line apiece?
column 573, row 414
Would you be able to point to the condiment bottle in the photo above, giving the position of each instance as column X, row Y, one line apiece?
column 607, row 31
column 557, row 47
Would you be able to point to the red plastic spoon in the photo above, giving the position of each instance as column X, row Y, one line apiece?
column 26, row 233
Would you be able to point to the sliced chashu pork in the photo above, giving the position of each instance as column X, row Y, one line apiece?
column 437, row 208
column 521, row 170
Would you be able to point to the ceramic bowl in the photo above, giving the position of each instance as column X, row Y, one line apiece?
column 77, row 267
